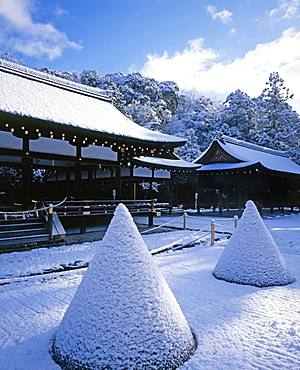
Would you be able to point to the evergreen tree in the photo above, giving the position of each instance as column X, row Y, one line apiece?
column 90, row 78
column 71, row 76
column 278, row 125
column 237, row 116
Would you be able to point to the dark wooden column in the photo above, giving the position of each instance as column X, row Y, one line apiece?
column 132, row 184
column 151, row 183
column 68, row 182
column 26, row 173
column 118, row 183
column 118, row 178
column 77, row 188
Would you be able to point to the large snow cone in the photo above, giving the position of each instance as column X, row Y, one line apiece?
column 123, row 315
column 252, row 256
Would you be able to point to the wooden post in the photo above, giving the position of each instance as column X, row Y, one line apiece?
column 184, row 220
column 151, row 213
column 196, row 202
column 50, row 221
column 83, row 225
column 134, row 190
column 150, row 220
column 235, row 221
column 212, row 233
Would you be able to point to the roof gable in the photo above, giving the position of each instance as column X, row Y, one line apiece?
column 215, row 153
column 246, row 154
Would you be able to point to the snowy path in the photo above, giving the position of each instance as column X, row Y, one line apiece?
column 237, row 327
column 39, row 260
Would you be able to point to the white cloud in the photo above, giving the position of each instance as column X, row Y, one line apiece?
column 222, row 15
column 202, row 69
column 286, row 9
column 28, row 37
column 60, row 12
column 232, row 31
column 182, row 66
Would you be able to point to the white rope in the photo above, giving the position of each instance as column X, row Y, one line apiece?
column 162, row 225
column 224, row 227
column 33, row 210
column 205, row 219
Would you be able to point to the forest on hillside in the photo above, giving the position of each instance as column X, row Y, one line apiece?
column 267, row 119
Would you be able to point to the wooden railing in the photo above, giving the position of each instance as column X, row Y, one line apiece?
column 100, row 208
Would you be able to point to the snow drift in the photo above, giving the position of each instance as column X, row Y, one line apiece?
column 252, row 256
column 123, row 315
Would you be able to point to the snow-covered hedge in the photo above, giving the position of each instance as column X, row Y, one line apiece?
column 252, row 256
column 123, row 315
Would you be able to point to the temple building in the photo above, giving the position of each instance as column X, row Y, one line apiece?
column 234, row 171
column 89, row 149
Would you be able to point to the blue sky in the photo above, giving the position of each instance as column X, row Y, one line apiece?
column 210, row 46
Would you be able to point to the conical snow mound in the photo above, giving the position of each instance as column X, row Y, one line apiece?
column 123, row 315
column 251, row 256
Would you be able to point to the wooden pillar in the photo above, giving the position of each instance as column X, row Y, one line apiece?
column 68, row 182
column 132, row 184
column 151, row 183
column 118, row 183
column 78, row 172
column 240, row 199
column 26, row 173
column 78, row 164
column 118, row 178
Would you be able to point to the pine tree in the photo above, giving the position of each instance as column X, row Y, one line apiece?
column 278, row 125
column 237, row 115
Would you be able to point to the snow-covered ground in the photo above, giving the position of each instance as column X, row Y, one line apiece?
column 237, row 326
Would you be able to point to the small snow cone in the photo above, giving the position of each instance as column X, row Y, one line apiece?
column 123, row 314
column 252, row 256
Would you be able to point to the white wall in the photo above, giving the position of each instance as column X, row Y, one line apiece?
column 142, row 172
column 9, row 141
column 99, row 152
column 162, row 174
column 52, row 146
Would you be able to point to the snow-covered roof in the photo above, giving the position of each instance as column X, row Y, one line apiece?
column 28, row 93
column 225, row 166
column 123, row 314
column 252, row 256
column 166, row 163
column 246, row 154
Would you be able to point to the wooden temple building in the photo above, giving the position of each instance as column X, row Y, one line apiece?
column 233, row 171
column 90, row 153
column 89, row 149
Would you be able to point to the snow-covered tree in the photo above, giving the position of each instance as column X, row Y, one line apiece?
column 278, row 125
column 90, row 77
column 237, row 116
column 195, row 120
column 145, row 100
column 71, row 76
column 6, row 55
